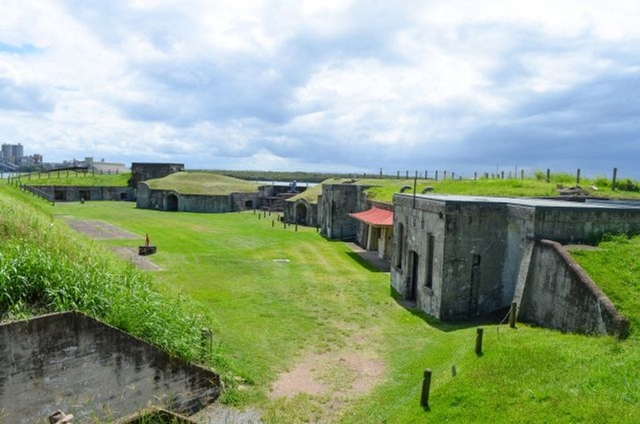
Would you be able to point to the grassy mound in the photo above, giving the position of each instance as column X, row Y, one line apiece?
column 74, row 178
column 202, row 183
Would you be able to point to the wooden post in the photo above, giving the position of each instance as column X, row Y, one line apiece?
column 273, row 223
column 296, row 227
column 436, row 175
column 444, row 175
column 578, row 177
column 398, row 176
column 548, row 175
column 512, row 314
column 407, row 175
column 613, row 180
column 522, row 174
column 453, row 175
column 502, row 175
column 479, row 333
column 426, row 386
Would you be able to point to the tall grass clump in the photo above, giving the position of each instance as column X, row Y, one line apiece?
column 46, row 267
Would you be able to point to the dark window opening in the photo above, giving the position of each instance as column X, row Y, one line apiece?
column 400, row 241
column 413, row 275
column 430, row 246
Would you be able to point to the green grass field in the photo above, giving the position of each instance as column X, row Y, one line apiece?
column 277, row 297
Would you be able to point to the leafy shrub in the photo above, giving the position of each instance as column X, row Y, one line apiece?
column 602, row 182
column 627, row 185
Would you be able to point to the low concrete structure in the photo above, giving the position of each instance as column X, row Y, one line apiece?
column 171, row 200
column 464, row 256
column 302, row 212
column 73, row 363
column 334, row 206
column 78, row 193
column 143, row 171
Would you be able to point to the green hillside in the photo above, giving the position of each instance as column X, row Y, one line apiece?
column 202, row 183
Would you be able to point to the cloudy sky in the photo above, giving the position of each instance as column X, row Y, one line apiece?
column 329, row 85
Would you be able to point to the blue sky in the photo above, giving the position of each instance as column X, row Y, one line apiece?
column 331, row 85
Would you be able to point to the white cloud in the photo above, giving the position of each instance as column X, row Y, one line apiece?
column 321, row 84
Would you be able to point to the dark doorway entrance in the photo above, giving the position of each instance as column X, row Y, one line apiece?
column 172, row 203
column 301, row 214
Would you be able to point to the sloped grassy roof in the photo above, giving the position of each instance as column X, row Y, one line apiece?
column 202, row 183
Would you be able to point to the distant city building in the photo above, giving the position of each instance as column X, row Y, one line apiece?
column 13, row 154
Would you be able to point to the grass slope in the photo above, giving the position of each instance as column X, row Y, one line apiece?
column 202, row 183
column 383, row 189
column 46, row 267
column 73, row 178
column 268, row 315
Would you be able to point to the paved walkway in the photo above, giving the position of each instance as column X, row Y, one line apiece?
column 371, row 257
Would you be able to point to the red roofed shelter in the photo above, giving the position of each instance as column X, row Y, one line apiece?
column 380, row 226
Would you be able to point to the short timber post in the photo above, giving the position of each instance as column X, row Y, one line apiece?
column 512, row 314
column 479, row 334
column 578, row 177
column 426, row 385
column 613, row 180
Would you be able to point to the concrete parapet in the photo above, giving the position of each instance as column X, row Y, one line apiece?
column 76, row 364
column 559, row 294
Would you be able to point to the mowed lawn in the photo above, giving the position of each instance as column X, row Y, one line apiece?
column 279, row 297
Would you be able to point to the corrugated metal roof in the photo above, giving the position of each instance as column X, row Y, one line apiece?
column 375, row 216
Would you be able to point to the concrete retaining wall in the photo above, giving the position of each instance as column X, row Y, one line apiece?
column 559, row 294
column 170, row 200
column 77, row 193
column 76, row 364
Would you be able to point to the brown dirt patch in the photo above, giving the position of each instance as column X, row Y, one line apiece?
column 340, row 376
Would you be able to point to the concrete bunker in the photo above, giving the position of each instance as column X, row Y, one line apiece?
column 76, row 364
column 463, row 256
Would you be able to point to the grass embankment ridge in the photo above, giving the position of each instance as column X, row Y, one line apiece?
column 202, row 183
column 74, row 178
column 382, row 190
column 46, row 267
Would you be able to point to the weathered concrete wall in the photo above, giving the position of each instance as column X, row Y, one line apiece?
column 143, row 197
column 410, row 231
column 301, row 212
column 583, row 225
column 83, row 367
column 141, row 171
column 473, row 259
column 77, row 193
column 336, row 202
column 559, row 294
column 169, row 200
